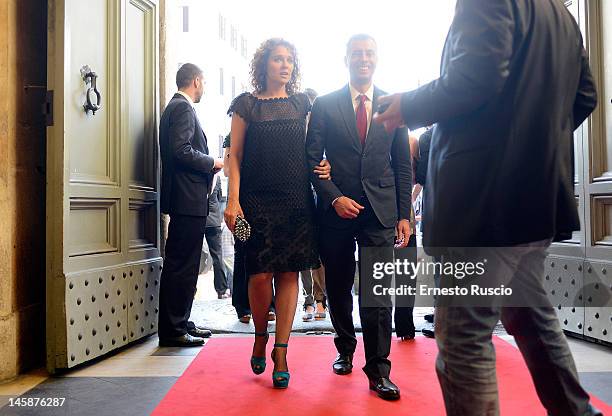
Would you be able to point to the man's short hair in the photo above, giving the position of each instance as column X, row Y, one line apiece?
column 359, row 36
column 186, row 74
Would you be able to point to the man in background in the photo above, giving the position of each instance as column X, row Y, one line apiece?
column 213, row 239
column 187, row 173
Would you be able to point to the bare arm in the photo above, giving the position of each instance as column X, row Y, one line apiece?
column 226, row 168
column 238, row 133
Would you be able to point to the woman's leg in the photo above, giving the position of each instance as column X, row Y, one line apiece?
column 260, row 296
column 286, row 302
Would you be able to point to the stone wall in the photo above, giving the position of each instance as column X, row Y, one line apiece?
column 23, row 73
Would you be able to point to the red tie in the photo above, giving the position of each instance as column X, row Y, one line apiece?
column 362, row 119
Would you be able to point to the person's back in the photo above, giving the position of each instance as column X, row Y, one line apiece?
column 184, row 181
column 165, row 152
column 515, row 123
column 514, row 85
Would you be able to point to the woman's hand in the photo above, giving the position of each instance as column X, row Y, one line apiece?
column 232, row 211
column 323, row 170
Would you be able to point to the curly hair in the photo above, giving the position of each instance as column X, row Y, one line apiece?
column 259, row 66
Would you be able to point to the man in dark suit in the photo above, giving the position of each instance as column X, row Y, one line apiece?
column 187, row 172
column 421, row 180
column 515, row 83
column 213, row 239
column 367, row 199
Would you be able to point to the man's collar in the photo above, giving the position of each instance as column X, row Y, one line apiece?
column 186, row 96
column 369, row 93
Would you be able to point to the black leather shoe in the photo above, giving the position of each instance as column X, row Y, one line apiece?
column 343, row 364
column 408, row 335
column 428, row 332
column 199, row 332
column 385, row 388
column 429, row 318
column 591, row 411
column 182, row 341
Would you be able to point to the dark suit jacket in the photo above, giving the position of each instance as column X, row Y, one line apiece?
column 215, row 215
column 515, row 83
column 382, row 169
column 186, row 166
column 423, row 160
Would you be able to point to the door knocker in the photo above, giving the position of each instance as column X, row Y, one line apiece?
column 90, row 78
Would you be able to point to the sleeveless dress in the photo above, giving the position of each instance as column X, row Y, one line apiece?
column 275, row 192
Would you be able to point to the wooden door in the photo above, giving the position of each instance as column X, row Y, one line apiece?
column 579, row 271
column 103, row 261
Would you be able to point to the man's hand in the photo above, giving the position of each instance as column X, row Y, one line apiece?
column 218, row 165
column 347, row 208
column 391, row 118
column 403, row 231
column 323, row 169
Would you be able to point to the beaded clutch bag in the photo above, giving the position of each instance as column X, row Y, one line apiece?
column 242, row 229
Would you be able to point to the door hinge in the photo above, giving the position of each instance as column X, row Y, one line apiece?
column 48, row 108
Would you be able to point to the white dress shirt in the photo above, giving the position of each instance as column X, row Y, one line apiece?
column 368, row 105
column 186, row 96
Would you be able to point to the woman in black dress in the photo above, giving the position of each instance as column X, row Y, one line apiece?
column 270, row 189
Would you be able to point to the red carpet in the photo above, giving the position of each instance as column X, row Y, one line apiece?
column 220, row 382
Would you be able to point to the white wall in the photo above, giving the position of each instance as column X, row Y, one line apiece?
column 202, row 46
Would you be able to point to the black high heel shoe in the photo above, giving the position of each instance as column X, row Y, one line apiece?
column 280, row 379
column 258, row 364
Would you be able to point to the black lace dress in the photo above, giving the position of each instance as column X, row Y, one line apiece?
column 275, row 191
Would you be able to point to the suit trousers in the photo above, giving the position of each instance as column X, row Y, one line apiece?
column 240, row 293
column 213, row 239
column 466, row 358
column 402, row 314
column 180, row 273
column 313, row 284
column 337, row 248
